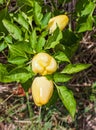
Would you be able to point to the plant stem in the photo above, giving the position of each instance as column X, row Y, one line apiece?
column 40, row 119
column 28, row 104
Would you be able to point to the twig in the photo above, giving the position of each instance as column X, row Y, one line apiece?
column 6, row 99
column 81, row 85
column 23, row 122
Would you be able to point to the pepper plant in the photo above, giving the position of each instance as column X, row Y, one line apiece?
column 24, row 34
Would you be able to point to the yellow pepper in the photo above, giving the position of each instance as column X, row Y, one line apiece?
column 42, row 90
column 61, row 21
column 43, row 63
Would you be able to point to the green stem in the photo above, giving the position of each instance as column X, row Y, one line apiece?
column 29, row 107
column 40, row 119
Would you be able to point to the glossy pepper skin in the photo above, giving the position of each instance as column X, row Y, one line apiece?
column 42, row 90
column 61, row 21
column 43, row 64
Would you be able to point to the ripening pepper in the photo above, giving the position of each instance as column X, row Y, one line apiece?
column 42, row 90
column 43, row 64
column 61, row 21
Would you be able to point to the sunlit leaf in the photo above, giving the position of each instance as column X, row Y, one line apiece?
column 3, row 45
column 3, row 69
column 58, row 77
column 68, row 99
column 37, row 13
column 85, row 7
column 16, row 55
column 22, row 20
column 33, row 39
column 62, row 56
column 88, row 9
column 18, row 74
column 24, row 47
column 75, row 68
column 54, row 39
column 8, row 39
column 2, row 1
column 16, row 77
column 17, row 60
column 85, row 23
column 40, row 44
column 45, row 19
column 14, row 30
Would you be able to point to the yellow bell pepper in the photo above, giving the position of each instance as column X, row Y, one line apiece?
column 61, row 21
column 43, row 63
column 42, row 90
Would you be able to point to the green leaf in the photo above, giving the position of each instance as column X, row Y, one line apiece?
column 59, row 47
column 25, row 2
column 85, row 10
column 40, row 44
column 45, row 20
column 85, row 7
column 16, row 55
column 3, row 45
column 8, row 39
column 3, row 69
column 70, row 41
column 16, row 50
column 89, row 8
column 71, row 49
column 24, row 47
column 3, row 72
column 33, row 39
column 54, row 39
column 69, row 38
column 2, row 1
column 37, row 13
column 58, row 77
column 22, row 20
column 68, row 99
column 44, row 33
column 62, row 57
column 14, row 30
column 53, row 98
column 16, row 75
column 26, row 85
column 17, row 60
column 2, row 36
column 85, row 23
column 75, row 68
column 20, row 74
column 3, row 14
column 80, row 5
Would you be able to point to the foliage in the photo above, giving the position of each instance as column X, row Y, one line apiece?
column 24, row 33
column 67, row 99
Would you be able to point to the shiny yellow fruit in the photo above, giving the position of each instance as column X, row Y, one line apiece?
column 61, row 21
column 43, row 63
column 42, row 90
